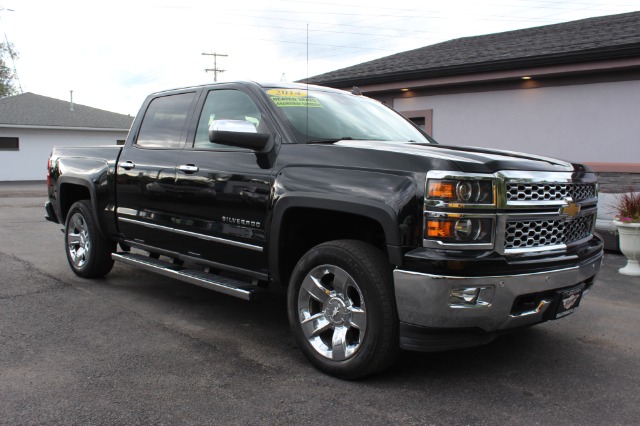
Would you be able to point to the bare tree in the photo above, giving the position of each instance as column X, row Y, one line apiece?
column 7, row 74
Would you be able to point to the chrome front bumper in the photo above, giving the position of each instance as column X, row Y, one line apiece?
column 424, row 299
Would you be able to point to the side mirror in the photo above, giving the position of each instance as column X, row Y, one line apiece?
column 238, row 133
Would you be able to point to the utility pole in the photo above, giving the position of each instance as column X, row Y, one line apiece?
column 215, row 65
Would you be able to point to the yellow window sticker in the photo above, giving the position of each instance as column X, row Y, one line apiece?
column 285, row 102
column 284, row 98
column 287, row 92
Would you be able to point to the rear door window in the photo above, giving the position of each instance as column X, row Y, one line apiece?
column 164, row 122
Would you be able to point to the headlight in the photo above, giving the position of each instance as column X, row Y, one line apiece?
column 459, row 191
column 459, row 230
column 460, row 210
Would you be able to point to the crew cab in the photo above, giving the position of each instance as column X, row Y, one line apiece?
column 385, row 239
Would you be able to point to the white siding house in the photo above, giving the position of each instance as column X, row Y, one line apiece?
column 31, row 125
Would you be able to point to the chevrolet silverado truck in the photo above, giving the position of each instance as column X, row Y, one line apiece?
column 384, row 239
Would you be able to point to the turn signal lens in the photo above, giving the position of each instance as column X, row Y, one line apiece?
column 463, row 191
column 439, row 228
column 441, row 190
column 472, row 230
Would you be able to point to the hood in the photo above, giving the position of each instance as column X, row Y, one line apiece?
column 467, row 158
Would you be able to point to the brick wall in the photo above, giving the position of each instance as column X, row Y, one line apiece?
column 617, row 182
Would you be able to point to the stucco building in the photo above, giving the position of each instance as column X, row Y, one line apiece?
column 569, row 90
column 31, row 125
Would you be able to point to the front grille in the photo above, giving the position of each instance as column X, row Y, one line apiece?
column 542, row 233
column 550, row 192
column 578, row 228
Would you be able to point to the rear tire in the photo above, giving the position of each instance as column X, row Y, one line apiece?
column 342, row 309
column 88, row 251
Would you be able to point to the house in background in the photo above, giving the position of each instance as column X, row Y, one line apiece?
column 31, row 125
column 569, row 90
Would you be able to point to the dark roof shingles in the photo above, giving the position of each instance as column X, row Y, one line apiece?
column 607, row 32
column 29, row 109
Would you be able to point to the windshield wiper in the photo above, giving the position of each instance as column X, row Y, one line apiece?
column 329, row 141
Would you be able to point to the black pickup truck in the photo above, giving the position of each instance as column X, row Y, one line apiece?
column 385, row 239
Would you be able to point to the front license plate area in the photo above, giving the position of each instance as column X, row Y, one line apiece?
column 569, row 301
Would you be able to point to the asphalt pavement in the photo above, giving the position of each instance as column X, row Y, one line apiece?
column 137, row 348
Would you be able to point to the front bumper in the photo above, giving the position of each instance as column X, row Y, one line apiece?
column 424, row 305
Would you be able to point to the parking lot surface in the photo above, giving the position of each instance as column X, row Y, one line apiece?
column 137, row 348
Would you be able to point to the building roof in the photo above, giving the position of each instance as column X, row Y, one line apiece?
column 31, row 110
column 606, row 37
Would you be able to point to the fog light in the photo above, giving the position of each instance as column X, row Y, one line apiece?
column 469, row 297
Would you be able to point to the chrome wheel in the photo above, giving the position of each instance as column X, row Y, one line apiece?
column 332, row 312
column 88, row 250
column 78, row 240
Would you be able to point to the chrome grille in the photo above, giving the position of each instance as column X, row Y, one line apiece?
column 578, row 228
column 549, row 191
column 541, row 233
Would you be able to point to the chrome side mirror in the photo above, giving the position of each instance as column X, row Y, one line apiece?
column 239, row 133
column 238, row 126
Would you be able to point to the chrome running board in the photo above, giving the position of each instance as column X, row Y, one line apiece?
column 225, row 285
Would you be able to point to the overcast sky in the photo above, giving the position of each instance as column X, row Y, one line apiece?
column 112, row 54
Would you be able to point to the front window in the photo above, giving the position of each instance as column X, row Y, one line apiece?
column 317, row 116
column 226, row 104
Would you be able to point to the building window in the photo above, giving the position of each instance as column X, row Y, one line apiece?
column 418, row 121
column 9, row 144
column 422, row 119
column 120, row 142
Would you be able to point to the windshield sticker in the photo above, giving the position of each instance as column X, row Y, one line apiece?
column 286, row 102
column 286, row 98
column 287, row 92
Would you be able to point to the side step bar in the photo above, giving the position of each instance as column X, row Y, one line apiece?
column 228, row 286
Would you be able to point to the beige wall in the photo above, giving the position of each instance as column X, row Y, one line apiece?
column 597, row 122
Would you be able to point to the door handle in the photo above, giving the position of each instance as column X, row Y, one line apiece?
column 188, row 168
column 128, row 165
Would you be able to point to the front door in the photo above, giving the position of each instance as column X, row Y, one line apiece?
column 224, row 191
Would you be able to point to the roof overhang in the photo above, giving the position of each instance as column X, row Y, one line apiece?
column 581, row 59
column 535, row 71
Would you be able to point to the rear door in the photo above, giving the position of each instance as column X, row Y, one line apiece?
column 146, row 171
column 224, row 191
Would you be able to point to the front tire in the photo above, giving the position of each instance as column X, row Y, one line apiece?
column 88, row 251
column 342, row 309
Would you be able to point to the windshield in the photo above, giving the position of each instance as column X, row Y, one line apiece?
column 318, row 116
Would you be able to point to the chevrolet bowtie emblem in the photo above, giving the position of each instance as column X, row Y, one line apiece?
column 571, row 209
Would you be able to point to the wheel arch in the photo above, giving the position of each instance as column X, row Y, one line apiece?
column 72, row 189
column 287, row 218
